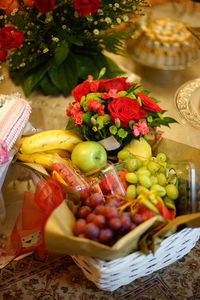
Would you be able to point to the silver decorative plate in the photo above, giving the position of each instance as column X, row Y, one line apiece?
column 187, row 100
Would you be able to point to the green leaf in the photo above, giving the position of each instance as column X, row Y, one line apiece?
column 86, row 66
column 48, row 88
column 61, row 52
column 87, row 116
column 33, row 77
column 70, row 124
column 64, row 76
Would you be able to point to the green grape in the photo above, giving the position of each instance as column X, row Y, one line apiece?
column 161, row 157
column 123, row 154
column 141, row 189
column 131, row 191
column 143, row 171
column 162, row 180
column 160, row 190
column 139, row 162
column 145, row 162
column 172, row 191
column 163, row 170
column 131, row 164
column 145, row 181
column 131, row 177
column 154, row 179
column 153, row 166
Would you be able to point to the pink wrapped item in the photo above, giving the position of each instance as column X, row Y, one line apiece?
column 14, row 114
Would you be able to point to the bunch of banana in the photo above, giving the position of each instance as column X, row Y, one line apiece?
column 49, row 140
column 41, row 147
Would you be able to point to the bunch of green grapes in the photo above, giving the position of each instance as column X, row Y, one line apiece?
column 154, row 174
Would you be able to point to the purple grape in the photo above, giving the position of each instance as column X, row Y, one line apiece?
column 99, row 210
column 105, row 235
column 115, row 223
column 90, row 218
column 96, row 199
column 110, row 212
column 83, row 211
column 99, row 221
column 125, row 220
column 79, row 227
column 137, row 219
column 91, row 231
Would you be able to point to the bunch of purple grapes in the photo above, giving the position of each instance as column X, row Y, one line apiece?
column 101, row 220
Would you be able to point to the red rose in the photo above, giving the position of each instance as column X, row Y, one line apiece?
column 118, row 84
column 81, row 90
column 84, row 7
column 44, row 5
column 125, row 109
column 148, row 103
column 10, row 37
column 84, row 88
column 2, row 53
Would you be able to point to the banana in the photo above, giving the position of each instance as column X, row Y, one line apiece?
column 50, row 140
column 61, row 152
column 41, row 158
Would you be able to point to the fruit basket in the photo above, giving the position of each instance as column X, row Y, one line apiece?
column 104, row 209
column 110, row 275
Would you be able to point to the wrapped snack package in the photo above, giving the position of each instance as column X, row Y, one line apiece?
column 14, row 115
column 29, row 200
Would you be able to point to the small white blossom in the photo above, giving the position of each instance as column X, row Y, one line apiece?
column 55, row 39
column 108, row 20
column 64, row 26
column 100, row 12
column 95, row 22
column 118, row 20
column 45, row 50
column 22, row 64
column 89, row 18
column 116, row 5
column 110, row 5
column 125, row 18
column 96, row 31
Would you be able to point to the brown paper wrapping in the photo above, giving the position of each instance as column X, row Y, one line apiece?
column 59, row 237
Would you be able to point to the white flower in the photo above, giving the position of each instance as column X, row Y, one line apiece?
column 118, row 20
column 116, row 5
column 96, row 31
column 125, row 18
column 55, row 39
column 108, row 20
column 45, row 50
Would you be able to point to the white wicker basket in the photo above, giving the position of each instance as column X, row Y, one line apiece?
column 110, row 275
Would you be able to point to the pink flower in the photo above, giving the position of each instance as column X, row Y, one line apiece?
column 73, row 108
column 140, row 128
column 77, row 118
column 93, row 103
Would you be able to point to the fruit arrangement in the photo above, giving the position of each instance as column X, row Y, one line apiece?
column 109, row 198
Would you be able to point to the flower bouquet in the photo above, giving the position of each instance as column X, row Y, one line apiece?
column 115, row 108
column 53, row 45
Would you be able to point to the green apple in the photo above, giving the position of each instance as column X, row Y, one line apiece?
column 89, row 156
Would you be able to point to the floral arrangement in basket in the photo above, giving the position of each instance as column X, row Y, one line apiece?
column 53, row 45
column 115, row 107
